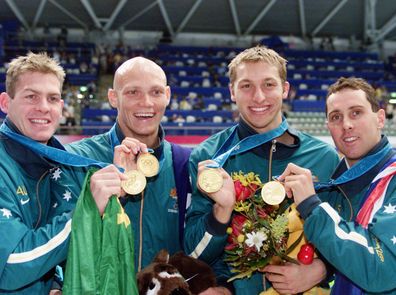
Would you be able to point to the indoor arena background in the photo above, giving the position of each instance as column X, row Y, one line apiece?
column 193, row 40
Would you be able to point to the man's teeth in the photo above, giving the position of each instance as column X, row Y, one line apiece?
column 262, row 109
column 349, row 139
column 39, row 121
column 145, row 115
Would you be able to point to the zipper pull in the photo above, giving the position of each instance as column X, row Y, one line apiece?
column 273, row 147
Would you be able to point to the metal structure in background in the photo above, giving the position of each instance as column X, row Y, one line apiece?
column 368, row 20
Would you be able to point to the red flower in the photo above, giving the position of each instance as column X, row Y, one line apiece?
column 237, row 223
column 261, row 213
column 231, row 246
column 244, row 192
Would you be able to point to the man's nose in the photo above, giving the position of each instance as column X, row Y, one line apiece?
column 347, row 123
column 42, row 104
column 259, row 95
column 147, row 100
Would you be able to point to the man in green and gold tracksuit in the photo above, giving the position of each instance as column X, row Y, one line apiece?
column 354, row 226
column 257, row 85
column 37, row 194
column 140, row 94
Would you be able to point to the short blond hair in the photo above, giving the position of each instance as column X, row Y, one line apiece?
column 255, row 54
column 32, row 62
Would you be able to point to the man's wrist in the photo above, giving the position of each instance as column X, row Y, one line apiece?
column 222, row 214
column 214, row 226
column 306, row 207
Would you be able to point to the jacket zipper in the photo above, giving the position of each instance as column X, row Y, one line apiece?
column 38, row 199
column 272, row 150
column 339, row 207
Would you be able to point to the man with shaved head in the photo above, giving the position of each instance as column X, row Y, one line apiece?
column 140, row 94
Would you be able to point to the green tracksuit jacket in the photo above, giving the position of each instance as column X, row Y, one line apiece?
column 36, row 202
column 365, row 256
column 154, row 216
column 205, row 238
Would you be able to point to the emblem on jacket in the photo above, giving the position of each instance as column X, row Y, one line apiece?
column 21, row 190
column 173, row 207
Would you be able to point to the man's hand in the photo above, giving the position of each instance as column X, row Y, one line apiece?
column 298, row 182
column 126, row 153
column 294, row 278
column 105, row 183
column 224, row 198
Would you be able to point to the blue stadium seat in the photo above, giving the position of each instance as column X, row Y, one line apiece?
column 308, row 106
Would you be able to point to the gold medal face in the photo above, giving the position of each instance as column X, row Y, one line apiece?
column 148, row 164
column 273, row 193
column 210, row 180
column 135, row 183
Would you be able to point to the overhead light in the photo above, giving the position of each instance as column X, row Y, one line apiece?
column 392, row 101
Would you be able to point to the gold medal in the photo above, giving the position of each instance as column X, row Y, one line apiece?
column 273, row 192
column 135, row 183
column 147, row 164
column 210, row 180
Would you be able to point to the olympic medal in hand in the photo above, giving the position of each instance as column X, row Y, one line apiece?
column 273, row 192
column 210, row 180
column 135, row 183
column 147, row 164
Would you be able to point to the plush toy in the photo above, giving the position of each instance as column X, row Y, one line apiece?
column 178, row 274
column 304, row 252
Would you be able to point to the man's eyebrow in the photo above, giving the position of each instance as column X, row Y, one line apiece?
column 350, row 108
column 38, row 91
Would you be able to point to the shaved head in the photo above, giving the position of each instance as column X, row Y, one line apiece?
column 139, row 64
column 140, row 95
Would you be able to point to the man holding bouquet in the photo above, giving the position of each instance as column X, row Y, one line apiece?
column 262, row 144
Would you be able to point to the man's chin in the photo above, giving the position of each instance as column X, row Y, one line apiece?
column 42, row 139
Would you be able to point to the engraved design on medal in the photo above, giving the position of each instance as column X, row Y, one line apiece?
column 273, row 193
column 210, row 180
column 147, row 164
column 135, row 183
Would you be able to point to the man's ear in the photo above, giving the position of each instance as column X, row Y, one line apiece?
column 168, row 94
column 4, row 102
column 381, row 117
column 112, row 96
column 232, row 93
column 286, row 88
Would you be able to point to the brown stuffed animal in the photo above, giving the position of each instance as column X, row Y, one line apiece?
column 175, row 275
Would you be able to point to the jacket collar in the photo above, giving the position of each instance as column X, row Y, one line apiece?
column 355, row 186
column 33, row 164
column 283, row 151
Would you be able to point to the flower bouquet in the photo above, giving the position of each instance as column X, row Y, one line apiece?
column 259, row 232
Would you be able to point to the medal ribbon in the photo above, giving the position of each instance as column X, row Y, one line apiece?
column 357, row 170
column 246, row 144
column 51, row 153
